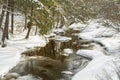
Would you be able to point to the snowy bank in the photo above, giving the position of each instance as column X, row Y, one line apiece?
column 100, row 67
column 10, row 55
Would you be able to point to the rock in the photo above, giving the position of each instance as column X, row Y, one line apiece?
column 10, row 76
column 12, row 79
column 62, row 38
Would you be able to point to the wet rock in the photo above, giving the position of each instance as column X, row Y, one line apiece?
column 69, row 32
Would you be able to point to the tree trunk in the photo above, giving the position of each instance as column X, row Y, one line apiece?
column 36, row 31
column 12, row 16
column 2, row 15
column 5, row 30
column 29, row 25
column 25, row 27
column 25, row 21
column 29, row 28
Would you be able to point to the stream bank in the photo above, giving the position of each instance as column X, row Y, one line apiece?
column 55, row 61
column 75, row 53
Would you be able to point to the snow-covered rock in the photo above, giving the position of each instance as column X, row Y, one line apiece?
column 90, row 53
column 62, row 38
column 77, row 26
column 68, row 51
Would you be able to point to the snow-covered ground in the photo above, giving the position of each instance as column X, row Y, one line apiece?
column 104, row 34
column 101, row 67
column 10, row 55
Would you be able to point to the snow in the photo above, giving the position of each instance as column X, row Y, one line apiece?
column 67, row 72
column 76, row 26
column 57, row 31
column 90, row 53
column 29, row 77
column 101, row 67
column 68, row 51
column 112, row 45
column 62, row 38
column 106, row 35
column 99, row 63
column 10, row 55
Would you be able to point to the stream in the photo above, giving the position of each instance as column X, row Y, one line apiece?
column 70, row 55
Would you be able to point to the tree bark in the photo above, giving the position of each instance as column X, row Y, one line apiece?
column 25, row 27
column 5, row 30
column 2, row 15
column 29, row 28
column 12, row 16
column 36, row 31
column 29, row 25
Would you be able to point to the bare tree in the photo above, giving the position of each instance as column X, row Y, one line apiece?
column 3, row 13
column 5, row 30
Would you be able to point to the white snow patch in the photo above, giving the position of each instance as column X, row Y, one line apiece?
column 90, row 53
column 68, row 51
column 99, row 65
column 10, row 55
column 28, row 77
column 67, row 72
column 57, row 31
column 77, row 26
column 62, row 38
column 112, row 44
